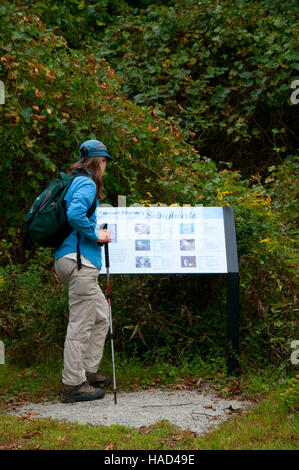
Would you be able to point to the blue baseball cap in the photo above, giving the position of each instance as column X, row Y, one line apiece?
column 94, row 148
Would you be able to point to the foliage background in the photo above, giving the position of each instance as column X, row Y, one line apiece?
column 162, row 84
column 221, row 69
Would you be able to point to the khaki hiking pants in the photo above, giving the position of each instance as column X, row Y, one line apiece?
column 88, row 320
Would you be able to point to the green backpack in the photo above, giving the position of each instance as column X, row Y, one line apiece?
column 46, row 219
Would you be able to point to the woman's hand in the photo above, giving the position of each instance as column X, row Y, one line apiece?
column 104, row 236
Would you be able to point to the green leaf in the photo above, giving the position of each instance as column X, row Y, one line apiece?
column 26, row 113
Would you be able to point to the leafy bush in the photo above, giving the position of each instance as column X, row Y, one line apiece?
column 55, row 99
column 76, row 20
column 34, row 310
column 222, row 69
column 81, row 22
column 289, row 396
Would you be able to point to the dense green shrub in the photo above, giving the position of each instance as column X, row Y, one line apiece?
column 222, row 69
column 34, row 310
column 81, row 22
column 55, row 99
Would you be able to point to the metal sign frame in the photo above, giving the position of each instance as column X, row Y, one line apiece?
column 233, row 283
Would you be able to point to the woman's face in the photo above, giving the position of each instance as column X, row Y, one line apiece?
column 103, row 162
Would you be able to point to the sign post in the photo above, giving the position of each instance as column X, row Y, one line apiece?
column 232, row 291
column 188, row 240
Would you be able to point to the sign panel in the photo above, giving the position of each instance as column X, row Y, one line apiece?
column 160, row 240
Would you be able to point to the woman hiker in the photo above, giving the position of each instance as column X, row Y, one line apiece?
column 78, row 261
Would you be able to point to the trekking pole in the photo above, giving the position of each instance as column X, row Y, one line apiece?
column 110, row 314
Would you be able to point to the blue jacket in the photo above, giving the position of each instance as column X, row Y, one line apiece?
column 79, row 198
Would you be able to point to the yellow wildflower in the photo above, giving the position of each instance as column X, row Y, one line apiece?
column 266, row 240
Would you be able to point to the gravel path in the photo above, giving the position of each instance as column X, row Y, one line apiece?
column 193, row 410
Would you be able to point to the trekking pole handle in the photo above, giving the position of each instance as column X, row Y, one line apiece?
column 104, row 227
column 106, row 255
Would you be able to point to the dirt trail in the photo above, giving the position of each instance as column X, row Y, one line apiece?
column 187, row 409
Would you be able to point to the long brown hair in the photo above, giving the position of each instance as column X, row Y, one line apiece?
column 92, row 164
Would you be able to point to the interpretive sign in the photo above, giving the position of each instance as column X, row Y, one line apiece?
column 165, row 239
column 182, row 240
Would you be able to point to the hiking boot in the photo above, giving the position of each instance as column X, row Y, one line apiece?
column 97, row 380
column 82, row 392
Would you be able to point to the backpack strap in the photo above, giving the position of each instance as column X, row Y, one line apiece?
column 89, row 213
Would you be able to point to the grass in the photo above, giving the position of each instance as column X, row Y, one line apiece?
column 269, row 426
column 272, row 424
column 44, row 380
